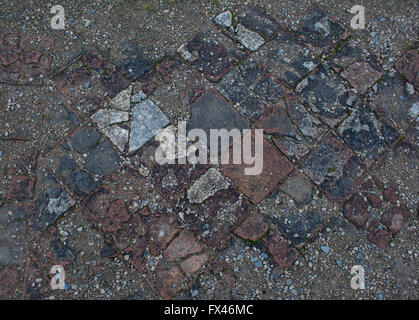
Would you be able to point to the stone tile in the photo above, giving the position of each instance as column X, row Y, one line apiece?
column 170, row 282
column 84, row 139
column 147, row 121
column 367, row 134
column 211, row 111
column 326, row 95
column 282, row 252
column 298, row 187
column 333, row 167
column 88, row 82
column 192, row 265
column 161, row 233
column 172, row 179
column 211, row 53
column 361, row 76
column 103, row 160
column 287, row 58
column 248, row 39
column 395, row 101
column 395, row 218
column 131, row 60
column 253, row 228
column 255, row 19
column 293, row 128
column 207, row 185
column 408, row 66
column 182, row 246
column 349, row 53
column 320, row 30
column 24, row 59
column 224, row 19
column 275, row 168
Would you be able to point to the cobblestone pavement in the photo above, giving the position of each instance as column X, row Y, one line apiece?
column 80, row 108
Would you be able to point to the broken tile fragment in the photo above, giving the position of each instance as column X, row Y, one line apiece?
column 118, row 136
column 161, row 233
column 395, row 218
column 224, row 19
column 147, row 121
column 207, row 185
column 282, row 252
column 249, row 39
column 107, row 117
column 122, row 101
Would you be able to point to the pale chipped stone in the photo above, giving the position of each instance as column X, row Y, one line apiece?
column 207, row 185
column 147, row 121
column 107, row 117
column 224, row 19
column 122, row 100
column 117, row 135
column 249, row 39
column 138, row 97
column 183, row 51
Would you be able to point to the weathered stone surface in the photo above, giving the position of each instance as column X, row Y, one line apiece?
column 255, row 19
column 79, row 181
column 256, row 187
column 395, row 218
column 21, row 188
column 207, row 185
column 182, row 246
column 115, row 217
column 162, row 232
column 118, row 136
column 326, row 95
column 298, row 188
column 293, row 128
column 282, row 252
column 392, row 99
column 103, row 160
column 379, row 236
column 211, row 53
column 408, row 66
column 249, row 39
column 210, row 111
column 253, row 228
column 122, row 100
column 334, row 168
column 356, row 210
column 107, row 117
column 8, row 283
column 169, row 282
column 300, row 227
column 367, row 134
column 147, row 121
column 320, row 30
column 192, row 265
column 287, row 58
column 361, row 76
column 50, row 206
column 84, row 139
column 90, row 82
column 131, row 60
column 224, row 19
